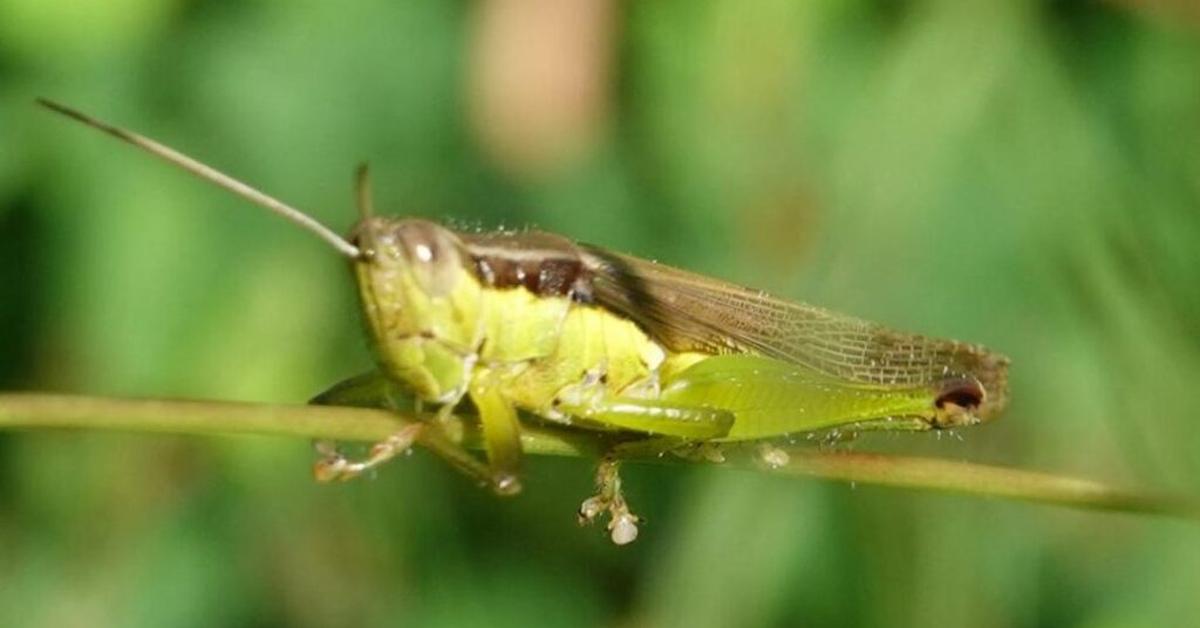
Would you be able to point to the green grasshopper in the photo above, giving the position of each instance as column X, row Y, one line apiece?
column 580, row 336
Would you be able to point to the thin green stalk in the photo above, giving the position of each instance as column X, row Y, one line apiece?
column 984, row 480
column 48, row 411
column 342, row 423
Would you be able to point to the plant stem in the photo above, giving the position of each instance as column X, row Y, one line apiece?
column 342, row 423
column 49, row 411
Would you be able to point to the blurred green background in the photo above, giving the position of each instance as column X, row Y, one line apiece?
column 1021, row 174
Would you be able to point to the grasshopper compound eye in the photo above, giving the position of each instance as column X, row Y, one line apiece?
column 433, row 252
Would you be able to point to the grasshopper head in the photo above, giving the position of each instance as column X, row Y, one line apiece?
column 420, row 302
column 430, row 254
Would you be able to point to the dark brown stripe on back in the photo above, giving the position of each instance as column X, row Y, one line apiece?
column 543, row 263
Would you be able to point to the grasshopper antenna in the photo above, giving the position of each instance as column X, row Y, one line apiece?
column 362, row 190
column 209, row 174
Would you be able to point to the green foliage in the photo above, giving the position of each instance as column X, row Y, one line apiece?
column 1014, row 173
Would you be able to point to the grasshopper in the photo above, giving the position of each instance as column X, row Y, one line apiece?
column 573, row 334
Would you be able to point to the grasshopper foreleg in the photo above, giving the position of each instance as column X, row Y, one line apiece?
column 334, row 466
column 374, row 390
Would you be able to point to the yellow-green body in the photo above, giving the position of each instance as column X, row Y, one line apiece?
column 563, row 360
column 536, row 349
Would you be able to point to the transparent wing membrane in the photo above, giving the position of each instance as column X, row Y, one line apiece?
column 690, row 312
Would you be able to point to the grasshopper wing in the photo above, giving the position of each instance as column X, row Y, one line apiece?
column 689, row 312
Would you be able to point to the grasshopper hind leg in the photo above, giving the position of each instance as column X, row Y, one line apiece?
column 651, row 416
